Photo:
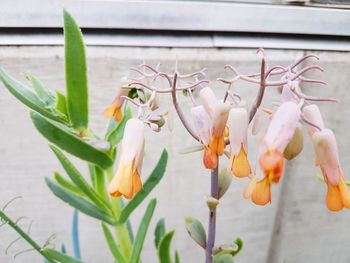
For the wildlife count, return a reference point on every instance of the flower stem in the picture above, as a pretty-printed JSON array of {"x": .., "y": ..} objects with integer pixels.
[
  {"x": 212, "y": 216},
  {"x": 24, "y": 235}
]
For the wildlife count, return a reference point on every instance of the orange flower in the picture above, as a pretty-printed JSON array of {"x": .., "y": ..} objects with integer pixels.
[
  {"x": 238, "y": 128},
  {"x": 127, "y": 180},
  {"x": 338, "y": 194},
  {"x": 114, "y": 110}
]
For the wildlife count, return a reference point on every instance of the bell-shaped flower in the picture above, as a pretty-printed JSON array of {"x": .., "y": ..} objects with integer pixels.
[
  {"x": 238, "y": 121},
  {"x": 114, "y": 110},
  {"x": 217, "y": 142},
  {"x": 201, "y": 123},
  {"x": 270, "y": 165},
  {"x": 127, "y": 180},
  {"x": 338, "y": 194}
]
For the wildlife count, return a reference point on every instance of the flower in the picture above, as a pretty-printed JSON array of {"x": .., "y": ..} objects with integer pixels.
[
  {"x": 338, "y": 195},
  {"x": 218, "y": 112},
  {"x": 201, "y": 123},
  {"x": 114, "y": 110},
  {"x": 238, "y": 121},
  {"x": 313, "y": 115},
  {"x": 271, "y": 162},
  {"x": 127, "y": 180}
]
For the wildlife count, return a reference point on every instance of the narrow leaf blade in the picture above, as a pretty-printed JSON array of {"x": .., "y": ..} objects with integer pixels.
[
  {"x": 159, "y": 231},
  {"x": 164, "y": 248},
  {"x": 142, "y": 231},
  {"x": 76, "y": 73},
  {"x": 66, "y": 140},
  {"x": 79, "y": 203},
  {"x": 60, "y": 257},
  {"x": 113, "y": 247},
  {"x": 75, "y": 235}
]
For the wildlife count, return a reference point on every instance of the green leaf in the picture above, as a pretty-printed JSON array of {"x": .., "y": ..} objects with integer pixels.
[
  {"x": 79, "y": 203},
  {"x": 76, "y": 73},
  {"x": 177, "y": 257},
  {"x": 61, "y": 103},
  {"x": 79, "y": 180},
  {"x": 66, "y": 140},
  {"x": 142, "y": 231},
  {"x": 159, "y": 231},
  {"x": 28, "y": 97},
  {"x": 148, "y": 186},
  {"x": 164, "y": 248},
  {"x": 239, "y": 243},
  {"x": 68, "y": 185},
  {"x": 196, "y": 231},
  {"x": 117, "y": 132},
  {"x": 59, "y": 256},
  {"x": 113, "y": 247},
  {"x": 43, "y": 93},
  {"x": 223, "y": 258},
  {"x": 98, "y": 179}
]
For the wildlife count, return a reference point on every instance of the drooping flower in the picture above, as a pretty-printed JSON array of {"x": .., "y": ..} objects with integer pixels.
[
  {"x": 218, "y": 112},
  {"x": 202, "y": 125},
  {"x": 313, "y": 115},
  {"x": 271, "y": 162},
  {"x": 114, "y": 110},
  {"x": 127, "y": 180},
  {"x": 338, "y": 194},
  {"x": 238, "y": 121}
]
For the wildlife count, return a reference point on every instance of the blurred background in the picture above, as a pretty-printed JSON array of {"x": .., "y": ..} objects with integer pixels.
[{"x": 296, "y": 227}]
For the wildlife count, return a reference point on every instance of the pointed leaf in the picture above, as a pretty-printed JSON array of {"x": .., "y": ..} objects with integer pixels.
[
  {"x": 75, "y": 235},
  {"x": 142, "y": 231},
  {"x": 68, "y": 185},
  {"x": 164, "y": 248},
  {"x": 61, "y": 103},
  {"x": 79, "y": 180},
  {"x": 79, "y": 203},
  {"x": 196, "y": 231},
  {"x": 76, "y": 73},
  {"x": 148, "y": 186},
  {"x": 177, "y": 257},
  {"x": 113, "y": 247},
  {"x": 59, "y": 256},
  {"x": 224, "y": 181},
  {"x": 43, "y": 93},
  {"x": 28, "y": 97},
  {"x": 66, "y": 140},
  {"x": 159, "y": 231},
  {"x": 239, "y": 243}
]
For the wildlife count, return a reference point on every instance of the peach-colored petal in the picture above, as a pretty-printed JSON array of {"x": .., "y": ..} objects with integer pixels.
[
  {"x": 220, "y": 119},
  {"x": 250, "y": 188},
  {"x": 238, "y": 121},
  {"x": 133, "y": 140},
  {"x": 210, "y": 159},
  {"x": 241, "y": 166},
  {"x": 334, "y": 200},
  {"x": 262, "y": 192},
  {"x": 344, "y": 192}
]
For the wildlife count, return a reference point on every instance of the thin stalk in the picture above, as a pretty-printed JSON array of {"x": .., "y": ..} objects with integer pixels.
[
  {"x": 24, "y": 235},
  {"x": 212, "y": 216}
]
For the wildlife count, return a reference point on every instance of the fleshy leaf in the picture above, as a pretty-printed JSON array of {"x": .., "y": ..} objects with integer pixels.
[
  {"x": 61, "y": 103},
  {"x": 116, "y": 131},
  {"x": 28, "y": 97},
  {"x": 224, "y": 181},
  {"x": 113, "y": 247},
  {"x": 76, "y": 73},
  {"x": 159, "y": 231},
  {"x": 148, "y": 186},
  {"x": 59, "y": 256},
  {"x": 75, "y": 235},
  {"x": 164, "y": 248},
  {"x": 70, "y": 142},
  {"x": 142, "y": 231},
  {"x": 79, "y": 203},
  {"x": 196, "y": 231},
  {"x": 223, "y": 258}
]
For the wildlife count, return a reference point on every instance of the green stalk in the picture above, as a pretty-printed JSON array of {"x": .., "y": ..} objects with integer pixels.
[{"x": 25, "y": 236}]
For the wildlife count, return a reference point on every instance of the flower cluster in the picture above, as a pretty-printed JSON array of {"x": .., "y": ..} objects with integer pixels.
[{"x": 221, "y": 126}]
